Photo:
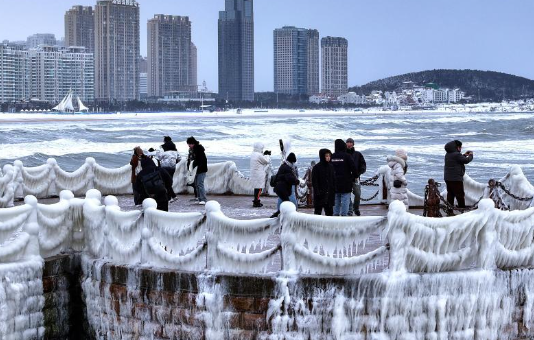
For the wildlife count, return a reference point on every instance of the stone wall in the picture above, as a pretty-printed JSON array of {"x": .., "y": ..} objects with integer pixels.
[
  {"x": 64, "y": 310},
  {"x": 123, "y": 302}
]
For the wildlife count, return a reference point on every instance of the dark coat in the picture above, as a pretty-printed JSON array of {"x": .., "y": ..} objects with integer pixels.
[
  {"x": 285, "y": 179},
  {"x": 344, "y": 167},
  {"x": 199, "y": 158},
  {"x": 359, "y": 161},
  {"x": 455, "y": 163},
  {"x": 324, "y": 182},
  {"x": 161, "y": 197}
]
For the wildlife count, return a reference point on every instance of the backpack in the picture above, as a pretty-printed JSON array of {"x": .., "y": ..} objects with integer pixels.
[
  {"x": 272, "y": 180},
  {"x": 153, "y": 183}
]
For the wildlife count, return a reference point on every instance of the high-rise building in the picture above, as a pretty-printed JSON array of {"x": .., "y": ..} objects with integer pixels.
[
  {"x": 334, "y": 66},
  {"x": 193, "y": 66},
  {"x": 296, "y": 61},
  {"x": 14, "y": 76},
  {"x": 80, "y": 28},
  {"x": 46, "y": 73},
  {"x": 143, "y": 78},
  {"x": 41, "y": 39},
  {"x": 116, "y": 50},
  {"x": 169, "y": 55},
  {"x": 236, "y": 50}
]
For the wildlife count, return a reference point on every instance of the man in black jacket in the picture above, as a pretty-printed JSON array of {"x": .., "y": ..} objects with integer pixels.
[
  {"x": 200, "y": 161},
  {"x": 346, "y": 171},
  {"x": 285, "y": 180},
  {"x": 159, "y": 192},
  {"x": 359, "y": 161},
  {"x": 454, "y": 171},
  {"x": 324, "y": 184}
]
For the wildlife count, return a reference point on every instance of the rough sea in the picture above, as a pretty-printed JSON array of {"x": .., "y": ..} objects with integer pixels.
[{"x": 498, "y": 140}]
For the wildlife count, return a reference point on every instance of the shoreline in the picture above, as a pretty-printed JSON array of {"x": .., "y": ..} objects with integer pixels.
[{"x": 246, "y": 114}]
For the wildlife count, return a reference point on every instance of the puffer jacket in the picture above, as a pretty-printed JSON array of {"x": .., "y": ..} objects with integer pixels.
[
  {"x": 455, "y": 163},
  {"x": 397, "y": 166},
  {"x": 344, "y": 167},
  {"x": 168, "y": 159},
  {"x": 285, "y": 179},
  {"x": 259, "y": 164}
]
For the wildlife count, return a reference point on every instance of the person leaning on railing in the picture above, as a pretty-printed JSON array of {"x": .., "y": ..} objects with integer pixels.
[{"x": 454, "y": 172}]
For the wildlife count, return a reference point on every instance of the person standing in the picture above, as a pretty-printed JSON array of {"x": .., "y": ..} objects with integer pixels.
[
  {"x": 323, "y": 182},
  {"x": 454, "y": 172},
  {"x": 135, "y": 163},
  {"x": 259, "y": 163},
  {"x": 200, "y": 162},
  {"x": 345, "y": 171},
  {"x": 286, "y": 179},
  {"x": 361, "y": 166},
  {"x": 398, "y": 184},
  {"x": 169, "y": 156}
]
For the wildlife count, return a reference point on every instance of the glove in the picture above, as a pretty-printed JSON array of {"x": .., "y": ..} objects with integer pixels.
[{"x": 267, "y": 153}]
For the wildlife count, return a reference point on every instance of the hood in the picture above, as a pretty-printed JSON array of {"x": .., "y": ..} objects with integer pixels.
[
  {"x": 451, "y": 147},
  {"x": 258, "y": 147},
  {"x": 322, "y": 155},
  {"x": 341, "y": 146},
  {"x": 169, "y": 146},
  {"x": 396, "y": 159},
  {"x": 199, "y": 147}
]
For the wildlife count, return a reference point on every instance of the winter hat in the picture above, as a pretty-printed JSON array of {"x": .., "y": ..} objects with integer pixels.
[
  {"x": 167, "y": 139},
  {"x": 291, "y": 158},
  {"x": 349, "y": 140},
  {"x": 401, "y": 153},
  {"x": 192, "y": 140}
]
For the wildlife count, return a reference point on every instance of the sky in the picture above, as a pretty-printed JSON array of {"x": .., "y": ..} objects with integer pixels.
[{"x": 386, "y": 37}]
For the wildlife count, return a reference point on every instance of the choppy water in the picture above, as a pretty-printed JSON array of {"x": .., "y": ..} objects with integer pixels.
[{"x": 498, "y": 140}]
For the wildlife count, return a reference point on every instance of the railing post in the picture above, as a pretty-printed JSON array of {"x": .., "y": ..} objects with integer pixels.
[
  {"x": 52, "y": 188},
  {"x": 287, "y": 238},
  {"x": 146, "y": 233},
  {"x": 18, "y": 180},
  {"x": 32, "y": 228},
  {"x": 212, "y": 207},
  {"x": 488, "y": 235},
  {"x": 397, "y": 238},
  {"x": 91, "y": 162},
  {"x": 9, "y": 188}
]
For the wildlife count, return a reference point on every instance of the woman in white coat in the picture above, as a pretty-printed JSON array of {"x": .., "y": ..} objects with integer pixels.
[
  {"x": 259, "y": 164},
  {"x": 398, "y": 182}
]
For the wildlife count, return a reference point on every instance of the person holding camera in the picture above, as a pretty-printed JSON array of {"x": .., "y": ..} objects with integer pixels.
[
  {"x": 398, "y": 181},
  {"x": 454, "y": 172},
  {"x": 259, "y": 164}
]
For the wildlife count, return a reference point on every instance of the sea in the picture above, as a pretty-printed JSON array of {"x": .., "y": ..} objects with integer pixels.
[{"x": 498, "y": 140}]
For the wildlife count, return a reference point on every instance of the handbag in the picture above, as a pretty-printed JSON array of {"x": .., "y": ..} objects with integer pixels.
[
  {"x": 191, "y": 174},
  {"x": 272, "y": 180}
]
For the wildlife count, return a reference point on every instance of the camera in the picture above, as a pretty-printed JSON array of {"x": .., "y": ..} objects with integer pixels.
[{"x": 267, "y": 153}]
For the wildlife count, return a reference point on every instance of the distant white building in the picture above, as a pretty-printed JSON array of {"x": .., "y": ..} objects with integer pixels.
[
  {"x": 455, "y": 95},
  {"x": 441, "y": 96},
  {"x": 319, "y": 99},
  {"x": 351, "y": 98},
  {"x": 391, "y": 98},
  {"x": 375, "y": 98}
]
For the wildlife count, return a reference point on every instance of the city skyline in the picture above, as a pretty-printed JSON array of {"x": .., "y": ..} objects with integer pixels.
[{"x": 385, "y": 38}]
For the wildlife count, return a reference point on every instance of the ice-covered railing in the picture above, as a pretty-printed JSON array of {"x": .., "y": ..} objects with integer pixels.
[
  {"x": 241, "y": 246},
  {"x": 7, "y": 186},
  {"x": 329, "y": 245},
  {"x": 422, "y": 244}
]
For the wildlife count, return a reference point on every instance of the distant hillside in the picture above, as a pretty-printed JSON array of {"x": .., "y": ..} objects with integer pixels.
[{"x": 483, "y": 85}]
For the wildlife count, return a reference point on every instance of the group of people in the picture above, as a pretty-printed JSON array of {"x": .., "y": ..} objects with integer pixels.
[
  {"x": 153, "y": 172},
  {"x": 336, "y": 178}
]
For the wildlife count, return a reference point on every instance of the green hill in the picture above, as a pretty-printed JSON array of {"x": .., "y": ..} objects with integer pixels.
[{"x": 480, "y": 85}]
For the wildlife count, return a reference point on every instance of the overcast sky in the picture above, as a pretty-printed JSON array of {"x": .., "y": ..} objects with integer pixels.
[{"x": 386, "y": 37}]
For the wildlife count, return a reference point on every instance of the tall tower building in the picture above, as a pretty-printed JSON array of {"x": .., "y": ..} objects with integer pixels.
[
  {"x": 80, "y": 28},
  {"x": 236, "y": 50},
  {"x": 334, "y": 66},
  {"x": 169, "y": 55},
  {"x": 116, "y": 50},
  {"x": 193, "y": 66},
  {"x": 296, "y": 61}
]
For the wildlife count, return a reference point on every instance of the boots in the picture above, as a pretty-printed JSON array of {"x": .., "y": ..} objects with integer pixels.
[{"x": 256, "y": 204}]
